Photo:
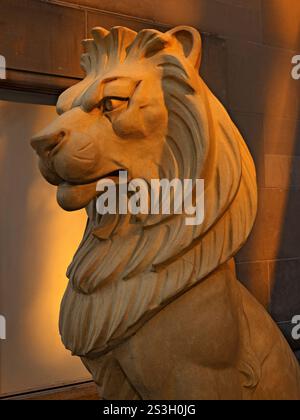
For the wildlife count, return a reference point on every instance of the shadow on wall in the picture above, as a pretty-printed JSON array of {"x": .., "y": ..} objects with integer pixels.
[
  {"x": 285, "y": 273},
  {"x": 285, "y": 175},
  {"x": 271, "y": 258}
]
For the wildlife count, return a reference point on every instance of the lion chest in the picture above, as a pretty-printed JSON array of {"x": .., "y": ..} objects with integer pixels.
[{"x": 186, "y": 345}]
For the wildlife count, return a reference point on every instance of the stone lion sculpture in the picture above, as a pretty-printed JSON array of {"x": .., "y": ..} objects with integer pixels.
[{"x": 153, "y": 306}]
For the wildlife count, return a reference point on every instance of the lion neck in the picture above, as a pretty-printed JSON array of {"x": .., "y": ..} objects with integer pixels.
[{"x": 115, "y": 287}]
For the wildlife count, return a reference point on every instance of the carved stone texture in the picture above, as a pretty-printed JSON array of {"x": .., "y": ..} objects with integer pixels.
[{"x": 153, "y": 306}]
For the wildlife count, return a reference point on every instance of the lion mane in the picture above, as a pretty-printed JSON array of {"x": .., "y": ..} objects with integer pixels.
[{"x": 124, "y": 273}]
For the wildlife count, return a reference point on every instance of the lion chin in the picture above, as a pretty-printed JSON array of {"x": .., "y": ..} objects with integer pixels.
[
  {"x": 153, "y": 306},
  {"x": 75, "y": 197}
]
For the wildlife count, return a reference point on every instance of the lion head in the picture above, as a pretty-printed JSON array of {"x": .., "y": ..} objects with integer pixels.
[{"x": 143, "y": 108}]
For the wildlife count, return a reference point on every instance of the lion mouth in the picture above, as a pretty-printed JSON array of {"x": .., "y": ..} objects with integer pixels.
[
  {"x": 114, "y": 176},
  {"x": 73, "y": 196}
]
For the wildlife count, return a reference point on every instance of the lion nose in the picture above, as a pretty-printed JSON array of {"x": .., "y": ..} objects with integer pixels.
[{"x": 44, "y": 144}]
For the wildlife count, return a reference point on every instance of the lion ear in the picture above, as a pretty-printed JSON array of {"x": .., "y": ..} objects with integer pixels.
[{"x": 190, "y": 40}]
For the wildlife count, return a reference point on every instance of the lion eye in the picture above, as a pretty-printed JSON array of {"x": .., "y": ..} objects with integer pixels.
[{"x": 110, "y": 104}]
